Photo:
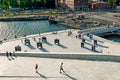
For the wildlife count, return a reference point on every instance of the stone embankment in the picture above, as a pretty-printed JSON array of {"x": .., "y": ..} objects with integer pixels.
[{"x": 24, "y": 18}]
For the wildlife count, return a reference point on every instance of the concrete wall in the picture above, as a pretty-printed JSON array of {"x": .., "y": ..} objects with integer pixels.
[
  {"x": 93, "y": 57},
  {"x": 103, "y": 30}
]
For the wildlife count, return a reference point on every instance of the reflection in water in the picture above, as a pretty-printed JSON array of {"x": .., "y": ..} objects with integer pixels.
[{"x": 19, "y": 28}]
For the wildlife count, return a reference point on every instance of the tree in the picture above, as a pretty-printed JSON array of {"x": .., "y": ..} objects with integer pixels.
[
  {"x": 22, "y": 3},
  {"x": 112, "y": 1},
  {"x": 28, "y": 4},
  {"x": 6, "y": 4},
  {"x": 43, "y": 2},
  {"x": 34, "y": 3},
  {"x": 13, "y": 3},
  {"x": 118, "y": 2},
  {"x": 50, "y": 3}
]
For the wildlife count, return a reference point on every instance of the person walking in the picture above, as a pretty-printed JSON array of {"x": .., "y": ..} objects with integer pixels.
[
  {"x": 7, "y": 54},
  {"x": 39, "y": 39},
  {"x": 11, "y": 55},
  {"x": 21, "y": 41},
  {"x": 36, "y": 68},
  {"x": 61, "y": 68},
  {"x": 34, "y": 39}
]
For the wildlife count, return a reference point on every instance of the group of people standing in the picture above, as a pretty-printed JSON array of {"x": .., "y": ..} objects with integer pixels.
[
  {"x": 11, "y": 55},
  {"x": 39, "y": 39},
  {"x": 69, "y": 33}
]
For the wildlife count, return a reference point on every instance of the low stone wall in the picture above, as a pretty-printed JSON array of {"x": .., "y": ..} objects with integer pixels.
[
  {"x": 25, "y": 18},
  {"x": 93, "y": 57},
  {"x": 102, "y": 30}
]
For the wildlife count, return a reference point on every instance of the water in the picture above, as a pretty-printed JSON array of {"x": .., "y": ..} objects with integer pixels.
[
  {"x": 114, "y": 38},
  {"x": 9, "y": 30}
]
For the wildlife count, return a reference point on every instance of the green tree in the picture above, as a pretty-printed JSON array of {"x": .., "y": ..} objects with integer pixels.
[
  {"x": 34, "y": 3},
  {"x": 112, "y": 1},
  {"x": 22, "y": 3},
  {"x": 50, "y": 3},
  {"x": 118, "y": 2},
  {"x": 4, "y": 4},
  {"x": 14, "y": 3},
  {"x": 28, "y": 4},
  {"x": 43, "y": 2}
]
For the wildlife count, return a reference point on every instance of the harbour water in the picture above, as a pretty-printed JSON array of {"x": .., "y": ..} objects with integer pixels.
[
  {"x": 114, "y": 38},
  {"x": 11, "y": 29}
]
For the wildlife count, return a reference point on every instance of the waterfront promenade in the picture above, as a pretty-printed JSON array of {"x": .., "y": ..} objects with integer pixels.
[
  {"x": 24, "y": 69},
  {"x": 70, "y": 43},
  {"x": 67, "y": 43},
  {"x": 95, "y": 65}
]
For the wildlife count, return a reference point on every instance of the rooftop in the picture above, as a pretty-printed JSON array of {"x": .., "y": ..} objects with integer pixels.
[
  {"x": 23, "y": 67},
  {"x": 67, "y": 43},
  {"x": 48, "y": 69}
]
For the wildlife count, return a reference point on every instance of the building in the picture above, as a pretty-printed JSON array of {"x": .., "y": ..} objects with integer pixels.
[
  {"x": 60, "y": 3},
  {"x": 77, "y": 5},
  {"x": 100, "y": 5},
  {"x": 70, "y": 4},
  {"x": 73, "y": 4}
]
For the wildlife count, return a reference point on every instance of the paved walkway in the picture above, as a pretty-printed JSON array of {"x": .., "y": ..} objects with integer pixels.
[
  {"x": 24, "y": 69},
  {"x": 19, "y": 68},
  {"x": 67, "y": 43}
]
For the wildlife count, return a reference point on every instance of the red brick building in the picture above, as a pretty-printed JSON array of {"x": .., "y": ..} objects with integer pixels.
[
  {"x": 100, "y": 5},
  {"x": 82, "y": 4}
]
